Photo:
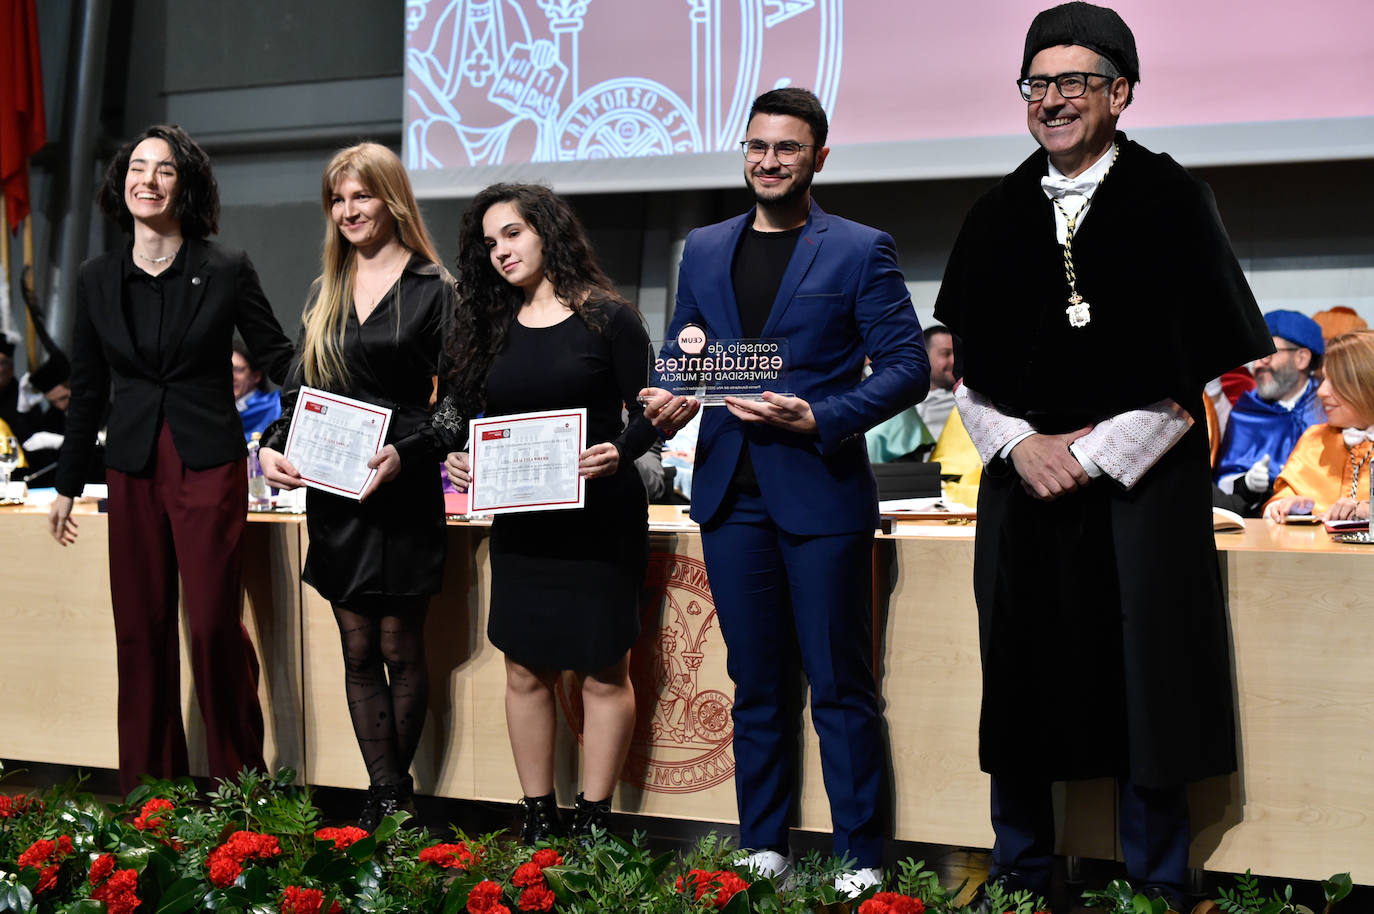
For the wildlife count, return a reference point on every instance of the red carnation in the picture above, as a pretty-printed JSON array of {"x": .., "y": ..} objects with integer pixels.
[
  {"x": 103, "y": 866},
  {"x": 720, "y": 886},
  {"x": 225, "y": 863},
  {"x": 296, "y": 900},
  {"x": 528, "y": 874},
  {"x": 47, "y": 878},
  {"x": 485, "y": 898},
  {"x": 547, "y": 857},
  {"x": 148, "y": 816},
  {"x": 449, "y": 856},
  {"x": 342, "y": 837},
  {"x": 536, "y": 898},
  {"x": 37, "y": 853},
  {"x": 17, "y": 805},
  {"x": 892, "y": 903},
  {"x": 119, "y": 891}
]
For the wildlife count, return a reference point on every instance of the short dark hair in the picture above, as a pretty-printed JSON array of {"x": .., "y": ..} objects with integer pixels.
[
  {"x": 197, "y": 201},
  {"x": 799, "y": 103},
  {"x": 933, "y": 331},
  {"x": 1106, "y": 68},
  {"x": 241, "y": 349}
]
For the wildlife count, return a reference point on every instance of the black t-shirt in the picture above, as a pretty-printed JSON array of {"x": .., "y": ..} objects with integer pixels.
[{"x": 760, "y": 262}]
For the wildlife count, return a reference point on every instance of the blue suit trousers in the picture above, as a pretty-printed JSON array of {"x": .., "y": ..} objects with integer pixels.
[{"x": 768, "y": 586}]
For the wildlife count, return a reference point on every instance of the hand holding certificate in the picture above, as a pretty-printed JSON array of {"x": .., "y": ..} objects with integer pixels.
[
  {"x": 527, "y": 462},
  {"x": 333, "y": 439}
]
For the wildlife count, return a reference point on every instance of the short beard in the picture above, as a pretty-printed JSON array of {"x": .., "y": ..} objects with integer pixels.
[
  {"x": 795, "y": 190},
  {"x": 1280, "y": 383}
]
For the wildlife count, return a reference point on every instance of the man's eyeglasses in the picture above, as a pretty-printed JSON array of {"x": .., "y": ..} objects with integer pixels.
[
  {"x": 785, "y": 152},
  {"x": 1070, "y": 85}
]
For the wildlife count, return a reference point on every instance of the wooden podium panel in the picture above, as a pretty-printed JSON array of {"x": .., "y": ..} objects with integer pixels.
[
  {"x": 59, "y": 683},
  {"x": 1302, "y": 805}
]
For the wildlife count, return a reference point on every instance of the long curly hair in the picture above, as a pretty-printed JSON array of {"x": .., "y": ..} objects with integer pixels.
[
  {"x": 381, "y": 172},
  {"x": 197, "y": 199},
  {"x": 489, "y": 303}
]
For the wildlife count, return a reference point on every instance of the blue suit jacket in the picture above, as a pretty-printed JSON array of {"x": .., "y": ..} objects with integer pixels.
[{"x": 841, "y": 298}]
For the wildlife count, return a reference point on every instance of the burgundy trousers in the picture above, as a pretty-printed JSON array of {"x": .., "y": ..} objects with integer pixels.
[{"x": 177, "y": 519}]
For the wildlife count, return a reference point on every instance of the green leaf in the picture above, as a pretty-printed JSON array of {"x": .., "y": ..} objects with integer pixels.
[
  {"x": 255, "y": 883},
  {"x": 1337, "y": 887},
  {"x": 362, "y": 849},
  {"x": 338, "y": 870},
  {"x": 321, "y": 859},
  {"x": 139, "y": 795},
  {"x": 739, "y": 904},
  {"x": 387, "y": 827},
  {"x": 180, "y": 896},
  {"x": 87, "y": 906}
]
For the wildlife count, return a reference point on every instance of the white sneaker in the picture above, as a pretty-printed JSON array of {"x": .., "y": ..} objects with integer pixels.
[
  {"x": 768, "y": 864},
  {"x": 855, "y": 882}
]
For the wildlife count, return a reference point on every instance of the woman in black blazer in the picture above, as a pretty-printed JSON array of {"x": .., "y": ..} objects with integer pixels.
[{"x": 155, "y": 322}]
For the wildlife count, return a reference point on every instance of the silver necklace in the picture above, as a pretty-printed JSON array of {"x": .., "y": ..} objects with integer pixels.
[{"x": 146, "y": 259}]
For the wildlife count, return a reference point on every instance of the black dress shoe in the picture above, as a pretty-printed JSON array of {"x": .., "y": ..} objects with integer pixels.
[
  {"x": 384, "y": 799},
  {"x": 588, "y": 815},
  {"x": 1172, "y": 896},
  {"x": 542, "y": 819}
]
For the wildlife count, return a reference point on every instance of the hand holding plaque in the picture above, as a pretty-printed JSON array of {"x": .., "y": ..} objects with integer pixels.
[{"x": 710, "y": 370}]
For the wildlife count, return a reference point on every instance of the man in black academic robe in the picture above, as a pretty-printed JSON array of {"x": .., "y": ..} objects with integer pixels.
[{"x": 1102, "y": 624}]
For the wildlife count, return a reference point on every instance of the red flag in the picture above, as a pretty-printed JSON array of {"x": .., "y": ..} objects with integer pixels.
[{"x": 23, "y": 130}]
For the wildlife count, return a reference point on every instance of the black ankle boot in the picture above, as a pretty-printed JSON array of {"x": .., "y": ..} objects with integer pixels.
[
  {"x": 384, "y": 799},
  {"x": 588, "y": 815},
  {"x": 542, "y": 819}
]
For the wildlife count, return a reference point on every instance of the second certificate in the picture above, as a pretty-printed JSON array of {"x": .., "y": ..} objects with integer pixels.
[{"x": 527, "y": 462}]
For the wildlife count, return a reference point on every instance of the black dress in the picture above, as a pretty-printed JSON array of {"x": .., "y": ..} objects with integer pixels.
[
  {"x": 392, "y": 544},
  {"x": 565, "y": 584}
]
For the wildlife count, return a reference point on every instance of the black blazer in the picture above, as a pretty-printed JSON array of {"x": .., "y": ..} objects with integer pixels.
[{"x": 192, "y": 391}]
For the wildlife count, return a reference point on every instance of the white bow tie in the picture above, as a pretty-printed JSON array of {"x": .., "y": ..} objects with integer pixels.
[
  {"x": 1059, "y": 187},
  {"x": 1353, "y": 436}
]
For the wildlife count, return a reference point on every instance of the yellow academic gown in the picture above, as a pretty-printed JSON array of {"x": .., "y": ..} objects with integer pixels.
[{"x": 1319, "y": 468}]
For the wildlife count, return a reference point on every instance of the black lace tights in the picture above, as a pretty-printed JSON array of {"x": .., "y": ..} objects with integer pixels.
[{"x": 386, "y": 681}]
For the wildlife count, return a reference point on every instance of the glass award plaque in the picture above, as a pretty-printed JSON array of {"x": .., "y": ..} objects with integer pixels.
[{"x": 695, "y": 365}]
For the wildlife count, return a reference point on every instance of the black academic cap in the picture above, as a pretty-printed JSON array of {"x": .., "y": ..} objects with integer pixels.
[{"x": 1088, "y": 26}]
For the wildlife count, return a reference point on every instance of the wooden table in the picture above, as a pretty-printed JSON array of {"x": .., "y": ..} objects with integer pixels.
[{"x": 1302, "y": 624}]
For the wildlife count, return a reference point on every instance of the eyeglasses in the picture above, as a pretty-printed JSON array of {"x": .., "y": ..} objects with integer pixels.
[
  {"x": 1070, "y": 85},
  {"x": 785, "y": 152}
]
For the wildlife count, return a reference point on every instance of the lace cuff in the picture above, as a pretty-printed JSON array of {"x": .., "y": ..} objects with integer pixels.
[
  {"x": 989, "y": 428},
  {"x": 1126, "y": 445}
]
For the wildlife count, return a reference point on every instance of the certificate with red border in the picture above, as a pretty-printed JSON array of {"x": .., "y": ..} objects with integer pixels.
[
  {"x": 332, "y": 438},
  {"x": 527, "y": 462}
]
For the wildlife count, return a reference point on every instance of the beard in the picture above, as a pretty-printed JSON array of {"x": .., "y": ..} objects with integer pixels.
[
  {"x": 1277, "y": 384},
  {"x": 795, "y": 189}
]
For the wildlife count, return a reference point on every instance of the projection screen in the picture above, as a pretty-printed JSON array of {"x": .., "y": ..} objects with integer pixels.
[{"x": 607, "y": 95}]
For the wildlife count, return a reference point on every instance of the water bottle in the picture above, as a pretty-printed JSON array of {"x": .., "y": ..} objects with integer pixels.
[{"x": 259, "y": 498}]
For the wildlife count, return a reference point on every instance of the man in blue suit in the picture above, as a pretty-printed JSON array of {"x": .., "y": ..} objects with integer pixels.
[{"x": 782, "y": 487}]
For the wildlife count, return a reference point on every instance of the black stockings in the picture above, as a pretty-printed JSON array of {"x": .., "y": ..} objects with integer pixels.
[{"x": 386, "y": 681}]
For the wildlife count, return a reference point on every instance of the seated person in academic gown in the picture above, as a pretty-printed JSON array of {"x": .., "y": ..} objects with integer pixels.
[
  {"x": 258, "y": 406},
  {"x": 1266, "y": 422},
  {"x": 1327, "y": 472}
]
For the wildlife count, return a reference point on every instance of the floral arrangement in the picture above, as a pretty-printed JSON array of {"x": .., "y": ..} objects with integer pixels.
[{"x": 257, "y": 847}]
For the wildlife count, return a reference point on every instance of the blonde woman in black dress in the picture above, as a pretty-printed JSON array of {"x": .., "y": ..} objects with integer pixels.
[
  {"x": 541, "y": 327},
  {"x": 374, "y": 331}
]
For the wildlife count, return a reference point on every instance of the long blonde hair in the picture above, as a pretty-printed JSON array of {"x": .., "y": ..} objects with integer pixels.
[
  {"x": 381, "y": 172},
  {"x": 1349, "y": 366}
]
